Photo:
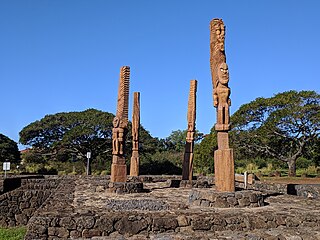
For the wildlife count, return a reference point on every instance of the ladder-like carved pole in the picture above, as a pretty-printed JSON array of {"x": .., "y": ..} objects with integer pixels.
[
  {"x": 119, "y": 131},
  {"x": 187, "y": 166}
]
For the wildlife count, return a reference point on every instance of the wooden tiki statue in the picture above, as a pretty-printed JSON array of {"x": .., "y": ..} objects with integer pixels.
[
  {"x": 223, "y": 157},
  {"x": 187, "y": 166},
  {"x": 135, "y": 162},
  {"x": 119, "y": 131}
]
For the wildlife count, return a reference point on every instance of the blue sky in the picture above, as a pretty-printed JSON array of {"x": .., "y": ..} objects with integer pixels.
[{"x": 61, "y": 56}]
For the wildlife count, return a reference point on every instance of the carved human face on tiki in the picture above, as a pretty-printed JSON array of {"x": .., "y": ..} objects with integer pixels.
[
  {"x": 223, "y": 73},
  {"x": 115, "y": 122}
]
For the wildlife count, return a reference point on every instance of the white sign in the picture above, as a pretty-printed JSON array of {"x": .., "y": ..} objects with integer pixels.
[
  {"x": 88, "y": 154},
  {"x": 6, "y": 166}
]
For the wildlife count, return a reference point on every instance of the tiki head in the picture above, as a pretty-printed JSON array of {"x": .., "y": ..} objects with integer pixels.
[
  {"x": 116, "y": 122},
  {"x": 223, "y": 73}
]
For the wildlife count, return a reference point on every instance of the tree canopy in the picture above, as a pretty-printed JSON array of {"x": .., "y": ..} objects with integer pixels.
[
  {"x": 177, "y": 139},
  {"x": 73, "y": 132},
  {"x": 281, "y": 127},
  {"x": 203, "y": 153},
  {"x": 8, "y": 150},
  {"x": 70, "y": 135}
]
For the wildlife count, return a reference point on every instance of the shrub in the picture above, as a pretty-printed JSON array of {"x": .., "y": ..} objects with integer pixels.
[
  {"x": 261, "y": 163},
  {"x": 240, "y": 170},
  {"x": 252, "y": 167},
  {"x": 105, "y": 172},
  {"x": 62, "y": 173},
  {"x": 33, "y": 167},
  {"x": 203, "y": 171},
  {"x": 47, "y": 170},
  {"x": 312, "y": 170},
  {"x": 303, "y": 163},
  {"x": 240, "y": 163},
  {"x": 96, "y": 173},
  {"x": 266, "y": 171}
]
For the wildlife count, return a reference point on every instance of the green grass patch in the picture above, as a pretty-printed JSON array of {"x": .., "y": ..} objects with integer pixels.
[{"x": 16, "y": 233}]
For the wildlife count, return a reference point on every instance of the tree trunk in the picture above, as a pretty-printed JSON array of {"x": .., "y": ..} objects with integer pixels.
[{"x": 292, "y": 167}]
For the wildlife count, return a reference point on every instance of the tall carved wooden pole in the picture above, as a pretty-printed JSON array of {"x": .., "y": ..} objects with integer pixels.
[
  {"x": 223, "y": 157},
  {"x": 119, "y": 131},
  {"x": 135, "y": 162},
  {"x": 187, "y": 166}
]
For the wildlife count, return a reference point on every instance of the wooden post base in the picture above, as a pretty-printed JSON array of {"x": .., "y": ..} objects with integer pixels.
[
  {"x": 134, "y": 166},
  {"x": 224, "y": 170},
  {"x": 187, "y": 166},
  {"x": 118, "y": 172}
]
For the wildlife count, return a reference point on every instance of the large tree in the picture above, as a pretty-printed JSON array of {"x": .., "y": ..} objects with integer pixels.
[
  {"x": 177, "y": 139},
  {"x": 280, "y": 127},
  {"x": 68, "y": 135},
  {"x": 8, "y": 150},
  {"x": 62, "y": 135},
  {"x": 203, "y": 153}
]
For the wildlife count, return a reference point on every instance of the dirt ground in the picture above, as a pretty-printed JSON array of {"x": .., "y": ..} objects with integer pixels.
[{"x": 291, "y": 180}]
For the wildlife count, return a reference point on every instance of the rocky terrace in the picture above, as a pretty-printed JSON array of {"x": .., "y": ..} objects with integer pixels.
[{"x": 83, "y": 208}]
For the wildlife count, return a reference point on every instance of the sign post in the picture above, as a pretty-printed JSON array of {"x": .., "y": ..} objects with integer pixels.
[
  {"x": 88, "y": 162},
  {"x": 245, "y": 179},
  {"x": 6, "y": 167}
]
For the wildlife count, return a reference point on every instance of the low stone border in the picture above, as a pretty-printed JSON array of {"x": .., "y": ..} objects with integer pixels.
[
  {"x": 268, "y": 187},
  {"x": 195, "y": 184},
  {"x": 94, "y": 225},
  {"x": 128, "y": 187},
  {"x": 311, "y": 191},
  {"x": 239, "y": 199}
]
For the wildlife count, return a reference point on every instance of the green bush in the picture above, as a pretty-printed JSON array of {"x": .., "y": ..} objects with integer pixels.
[
  {"x": 53, "y": 168},
  {"x": 33, "y": 167},
  {"x": 204, "y": 171},
  {"x": 252, "y": 167},
  {"x": 96, "y": 173},
  {"x": 62, "y": 173},
  {"x": 261, "y": 163},
  {"x": 277, "y": 164},
  {"x": 303, "y": 163},
  {"x": 258, "y": 163},
  {"x": 312, "y": 170},
  {"x": 240, "y": 163},
  {"x": 47, "y": 170},
  {"x": 105, "y": 172},
  {"x": 308, "y": 172},
  {"x": 240, "y": 170},
  {"x": 265, "y": 171}
]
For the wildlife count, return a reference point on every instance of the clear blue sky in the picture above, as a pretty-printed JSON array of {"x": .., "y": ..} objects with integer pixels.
[{"x": 61, "y": 56}]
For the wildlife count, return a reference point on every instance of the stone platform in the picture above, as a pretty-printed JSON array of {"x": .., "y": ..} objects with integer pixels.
[
  {"x": 214, "y": 199},
  {"x": 82, "y": 208}
]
